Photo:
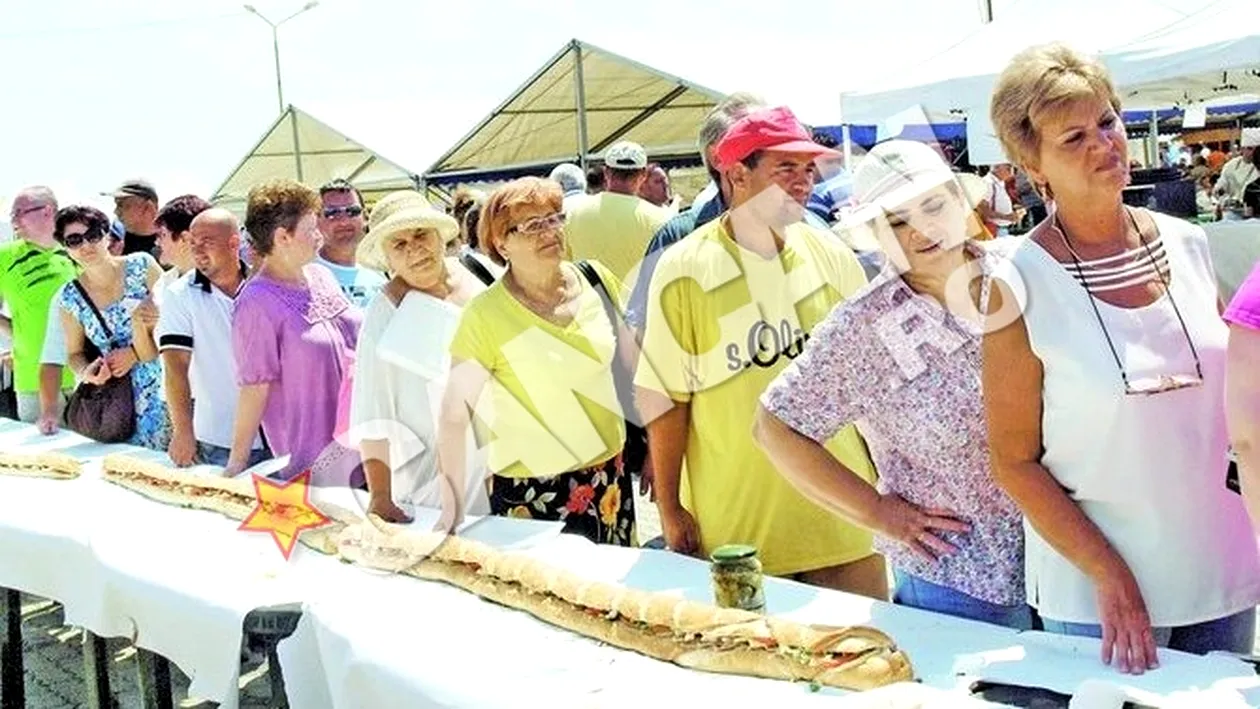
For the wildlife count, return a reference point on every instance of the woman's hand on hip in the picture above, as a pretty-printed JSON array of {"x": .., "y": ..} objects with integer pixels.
[
  {"x": 918, "y": 527},
  {"x": 1128, "y": 641}
]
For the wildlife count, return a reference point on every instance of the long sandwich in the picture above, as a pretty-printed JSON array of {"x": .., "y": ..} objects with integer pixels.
[
  {"x": 689, "y": 634},
  {"x": 56, "y": 466},
  {"x": 234, "y": 498}
]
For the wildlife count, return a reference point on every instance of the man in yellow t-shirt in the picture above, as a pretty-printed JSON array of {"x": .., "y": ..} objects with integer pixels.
[
  {"x": 615, "y": 226},
  {"x": 730, "y": 306}
]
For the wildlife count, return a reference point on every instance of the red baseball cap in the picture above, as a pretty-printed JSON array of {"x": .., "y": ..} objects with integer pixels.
[{"x": 767, "y": 129}]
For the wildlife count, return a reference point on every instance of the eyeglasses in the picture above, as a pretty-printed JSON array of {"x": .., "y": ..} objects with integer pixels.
[
  {"x": 351, "y": 211},
  {"x": 19, "y": 213},
  {"x": 538, "y": 225},
  {"x": 91, "y": 236},
  {"x": 1157, "y": 384}
]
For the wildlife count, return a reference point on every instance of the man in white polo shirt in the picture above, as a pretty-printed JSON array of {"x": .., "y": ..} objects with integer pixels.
[{"x": 194, "y": 335}]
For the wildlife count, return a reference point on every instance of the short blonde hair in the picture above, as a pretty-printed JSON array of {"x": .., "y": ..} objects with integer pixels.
[
  {"x": 496, "y": 215},
  {"x": 1038, "y": 82}
]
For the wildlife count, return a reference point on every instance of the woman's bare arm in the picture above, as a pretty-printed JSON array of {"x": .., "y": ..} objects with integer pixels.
[
  {"x": 1242, "y": 410},
  {"x": 1012, "y": 385}
]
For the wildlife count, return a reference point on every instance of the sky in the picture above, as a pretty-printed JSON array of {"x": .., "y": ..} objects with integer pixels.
[{"x": 178, "y": 91}]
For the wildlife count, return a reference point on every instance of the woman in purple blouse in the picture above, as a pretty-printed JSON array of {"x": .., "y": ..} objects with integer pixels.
[
  {"x": 902, "y": 360},
  {"x": 291, "y": 331}
]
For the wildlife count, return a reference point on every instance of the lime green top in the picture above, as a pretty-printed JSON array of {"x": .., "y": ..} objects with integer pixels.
[{"x": 30, "y": 276}]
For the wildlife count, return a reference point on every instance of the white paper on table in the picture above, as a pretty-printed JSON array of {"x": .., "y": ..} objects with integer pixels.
[
  {"x": 409, "y": 340},
  {"x": 1063, "y": 664}
]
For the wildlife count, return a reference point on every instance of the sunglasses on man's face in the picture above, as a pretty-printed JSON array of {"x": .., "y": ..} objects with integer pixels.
[
  {"x": 91, "y": 236},
  {"x": 338, "y": 212}
]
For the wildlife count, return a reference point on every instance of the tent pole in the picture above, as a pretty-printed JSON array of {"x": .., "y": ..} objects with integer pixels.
[
  {"x": 1152, "y": 141},
  {"x": 848, "y": 147},
  {"x": 580, "y": 92},
  {"x": 297, "y": 148}
]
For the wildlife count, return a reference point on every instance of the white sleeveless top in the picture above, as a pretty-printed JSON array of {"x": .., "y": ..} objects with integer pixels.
[{"x": 1148, "y": 470}]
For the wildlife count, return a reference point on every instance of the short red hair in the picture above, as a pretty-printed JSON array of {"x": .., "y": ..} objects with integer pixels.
[{"x": 496, "y": 215}]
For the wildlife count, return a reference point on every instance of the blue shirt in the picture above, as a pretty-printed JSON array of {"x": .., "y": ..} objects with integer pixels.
[{"x": 830, "y": 195}]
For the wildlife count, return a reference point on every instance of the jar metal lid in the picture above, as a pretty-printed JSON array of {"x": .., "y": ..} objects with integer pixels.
[{"x": 733, "y": 552}]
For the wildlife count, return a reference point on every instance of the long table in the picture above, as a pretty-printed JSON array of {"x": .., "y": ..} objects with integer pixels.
[{"x": 181, "y": 583}]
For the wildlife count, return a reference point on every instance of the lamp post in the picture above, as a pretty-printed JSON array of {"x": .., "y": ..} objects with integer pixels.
[{"x": 275, "y": 41}]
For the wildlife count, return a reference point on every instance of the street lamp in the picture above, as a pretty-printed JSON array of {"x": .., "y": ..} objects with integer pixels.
[{"x": 275, "y": 41}]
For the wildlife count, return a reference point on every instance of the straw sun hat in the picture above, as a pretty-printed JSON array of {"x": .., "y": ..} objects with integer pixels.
[{"x": 401, "y": 212}]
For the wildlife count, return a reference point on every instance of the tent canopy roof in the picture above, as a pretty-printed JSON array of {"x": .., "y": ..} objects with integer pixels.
[
  {"x": 299, "y": 146},
  {"x": 538, "y": 125},
  {"x": 960, "y": 80},
  {"x": 1212, "y": 53}
]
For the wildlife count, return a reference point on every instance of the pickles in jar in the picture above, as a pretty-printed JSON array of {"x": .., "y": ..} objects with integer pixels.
[{"x": 737, "y": 578}]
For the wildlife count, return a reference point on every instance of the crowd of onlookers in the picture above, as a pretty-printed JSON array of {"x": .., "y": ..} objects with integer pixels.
[{"x": 835, "y": 363}]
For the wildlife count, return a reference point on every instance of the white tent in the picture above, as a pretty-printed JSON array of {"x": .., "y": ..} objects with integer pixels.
[
  {"x": 581, "y": 101},
  {"x": 300, "y": 147},
  {"x": 1210, "y": 54},
  {"x": 959, "y": 81}
]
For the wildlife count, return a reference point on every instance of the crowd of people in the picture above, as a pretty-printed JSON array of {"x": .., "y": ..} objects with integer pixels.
[{"x": 836, "y": 364}]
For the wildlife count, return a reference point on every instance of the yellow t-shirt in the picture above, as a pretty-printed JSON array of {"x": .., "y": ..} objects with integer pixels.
[
  {"x": 550, "y": 406},
  {"x": 613, "y": 228},
  {"x": 708, "y": 343}
]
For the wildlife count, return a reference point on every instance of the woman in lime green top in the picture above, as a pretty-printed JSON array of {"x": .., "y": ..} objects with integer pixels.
[{"x": 532, "y": 369}]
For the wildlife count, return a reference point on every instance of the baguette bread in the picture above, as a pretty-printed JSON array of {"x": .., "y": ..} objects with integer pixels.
[
  {"x": 231, "y": 497},
  {"x": 693, "y": 635},
  {"x": 57, "y": 466}
]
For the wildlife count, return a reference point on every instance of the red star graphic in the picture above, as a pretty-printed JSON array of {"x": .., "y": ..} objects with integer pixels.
[{"x": 284, "y": 509}]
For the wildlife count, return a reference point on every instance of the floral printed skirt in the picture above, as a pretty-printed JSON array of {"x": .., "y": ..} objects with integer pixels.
[{"x": 595, "y": 502}]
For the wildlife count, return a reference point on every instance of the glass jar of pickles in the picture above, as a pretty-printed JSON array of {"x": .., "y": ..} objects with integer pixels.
[{"x": 737, "y": 578}]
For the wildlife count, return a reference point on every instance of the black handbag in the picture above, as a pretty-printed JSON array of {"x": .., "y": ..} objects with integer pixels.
[
  {"x": 106, "y": 413},
  {"x": 636, "y": 450}
]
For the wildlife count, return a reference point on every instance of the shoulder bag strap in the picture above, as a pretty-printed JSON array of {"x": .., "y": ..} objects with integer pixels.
[
  {"x": 109, "y": 335},
  {"x": 471, "y": 263},
  {"x": 610, "y": 309}
]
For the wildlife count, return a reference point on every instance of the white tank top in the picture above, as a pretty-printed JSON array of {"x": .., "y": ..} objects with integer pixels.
[{"x": 1148, "y": 470}]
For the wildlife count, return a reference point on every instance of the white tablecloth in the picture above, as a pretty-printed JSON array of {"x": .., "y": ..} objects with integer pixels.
[
  {"x": 381, "y": 641},
  {"x": 181, "y": 582}
]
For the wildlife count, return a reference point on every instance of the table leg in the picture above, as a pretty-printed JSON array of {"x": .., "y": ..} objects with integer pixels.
[
  {"x": 267, "y": 627},
  {"x": 96, "y": 671},
  {"x": 12, "y": 683},
  {"x": 155, "y": 680}
]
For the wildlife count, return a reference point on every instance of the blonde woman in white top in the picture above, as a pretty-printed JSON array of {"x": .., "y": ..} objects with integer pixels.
[
  {"x": 393, "y": 405},
  {"x": 1105, "y": 398}
]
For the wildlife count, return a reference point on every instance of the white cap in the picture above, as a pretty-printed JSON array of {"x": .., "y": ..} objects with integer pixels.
[
  {"x": 1251, "y": 137},
  {"x": 894, "y": 172},
  {"x": 625, "y": 155}
]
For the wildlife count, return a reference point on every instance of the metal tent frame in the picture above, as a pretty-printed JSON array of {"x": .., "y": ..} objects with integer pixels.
[{"x": 507, "y": 129}]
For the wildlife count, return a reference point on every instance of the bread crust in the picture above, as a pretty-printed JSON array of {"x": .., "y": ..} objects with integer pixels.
[
  {"x": 231, "y": 497},
  {"x": 666, "y": 627},
  {"x": 45, "y": 464}
]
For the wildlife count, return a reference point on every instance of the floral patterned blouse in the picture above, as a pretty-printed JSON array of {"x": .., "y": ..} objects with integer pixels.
[{"x": 908, "y": 373}]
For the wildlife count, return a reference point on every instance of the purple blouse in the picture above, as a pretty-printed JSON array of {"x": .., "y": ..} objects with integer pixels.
[
  {"x": 908, "y": 374},
  {"x": 1244, "y": 309},
  {"x": 295, "y": 339}
]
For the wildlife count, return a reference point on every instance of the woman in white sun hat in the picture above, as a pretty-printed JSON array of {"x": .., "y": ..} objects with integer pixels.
[
  {"x": 400, "y": 365},
  {"x": 902, "y": 360}
]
